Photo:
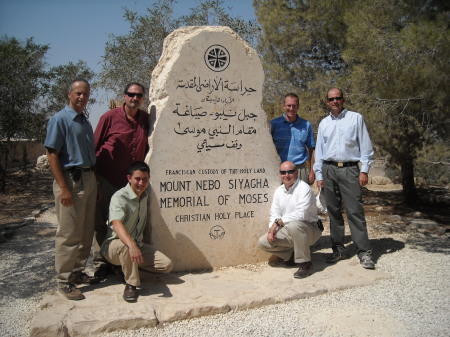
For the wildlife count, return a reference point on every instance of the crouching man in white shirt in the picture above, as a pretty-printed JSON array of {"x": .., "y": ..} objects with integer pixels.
[{"x": 293, "y": 225}]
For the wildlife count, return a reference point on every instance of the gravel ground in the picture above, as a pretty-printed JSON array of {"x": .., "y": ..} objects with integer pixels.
[
  {"x": 414, "y": 302},
  {"x": 26, "y": 262}
]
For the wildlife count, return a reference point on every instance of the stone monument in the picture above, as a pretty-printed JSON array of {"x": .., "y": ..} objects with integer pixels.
[{"x": 213, "y": 164}]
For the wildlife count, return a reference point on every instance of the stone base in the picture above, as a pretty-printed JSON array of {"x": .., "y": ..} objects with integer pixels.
[{"x": 177, "y": 296}]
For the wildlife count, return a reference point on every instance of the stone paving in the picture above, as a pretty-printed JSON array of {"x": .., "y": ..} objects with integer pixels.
[{"x": 177, "y": 296}]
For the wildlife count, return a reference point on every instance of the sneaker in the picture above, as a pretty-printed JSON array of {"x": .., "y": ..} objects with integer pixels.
[
  {"x": 337, "y": 255},
  {"x": 366, "y": 260},
  {"x": 130, "y": 293},
  {"x": 84, "y": 278},
  {"x": 304, "y": 270},
  {"x": 71, "y": 292}
]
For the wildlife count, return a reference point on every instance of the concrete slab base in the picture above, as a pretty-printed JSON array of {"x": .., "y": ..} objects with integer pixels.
[{"x": 178, "y": 296}]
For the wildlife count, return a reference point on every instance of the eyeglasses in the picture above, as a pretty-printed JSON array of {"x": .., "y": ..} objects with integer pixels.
[
  {"x": 287, "y": 172},
  {"x": 331, "y": 99},
  {"x": 132, "y": 94}
]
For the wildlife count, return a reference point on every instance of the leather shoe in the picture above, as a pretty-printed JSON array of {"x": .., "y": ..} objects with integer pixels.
[
  {"x": 71, "y": 292},
  {"x": 103, "y": 271},
  {"x": 84, "y": 278},
  {"x": 336, "y": 256},
  {"x": 130, "y": 294},
  {"x": 291, "y": 261},
  {"x": 304, "y": 270}
]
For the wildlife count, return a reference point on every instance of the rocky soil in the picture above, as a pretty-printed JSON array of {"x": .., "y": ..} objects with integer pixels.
[{"x": 26, "y": 190}]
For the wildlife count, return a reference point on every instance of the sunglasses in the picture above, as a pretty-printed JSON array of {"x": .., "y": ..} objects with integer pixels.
[
  {"x": 287, "y": 172},
  {"x": 132, "y": 94},
  {"x": 331, "y": 99}
]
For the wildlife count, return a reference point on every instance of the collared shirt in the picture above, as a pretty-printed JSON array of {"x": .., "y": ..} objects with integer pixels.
[
  {"x": 70, "y": 133},
  {"x": 119, "y": 142},
  {"x": 127, "y": 207},
  {"x": 292, "y": 139},
  {"x": 342, "y": 139},
  {"x": 296, "y": 203}
]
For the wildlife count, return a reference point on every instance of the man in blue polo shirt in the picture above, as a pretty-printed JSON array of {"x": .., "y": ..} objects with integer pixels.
[
  {"x": 294, "y": 139},
  {"x": 71, "y": 156}
]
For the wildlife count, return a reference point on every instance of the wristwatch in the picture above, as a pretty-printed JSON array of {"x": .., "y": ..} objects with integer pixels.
[{"x": 276, "y": 221}]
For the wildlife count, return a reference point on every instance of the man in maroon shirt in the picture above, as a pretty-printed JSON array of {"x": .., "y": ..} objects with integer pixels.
[{"x": 121, "y": 138}]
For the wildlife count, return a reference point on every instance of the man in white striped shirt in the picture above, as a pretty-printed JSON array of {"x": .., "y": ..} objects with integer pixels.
[{"x": 293, "y": 226}]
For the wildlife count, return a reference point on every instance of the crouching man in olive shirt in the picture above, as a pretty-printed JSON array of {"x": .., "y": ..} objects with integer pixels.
[{"x": 124, "y": 244}]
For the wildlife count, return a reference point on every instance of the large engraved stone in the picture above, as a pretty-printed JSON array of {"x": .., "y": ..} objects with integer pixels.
[{"x": 213, "y": 164}]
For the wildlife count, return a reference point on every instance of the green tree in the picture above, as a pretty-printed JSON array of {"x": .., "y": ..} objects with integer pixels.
[
  {"x": 30, "y": 93},
  {"x": 212, "y": 13},
  {"x": 398, "y": 55},
  {"x": 391, "y": 59},
  {"x": 433, "y": 163},
  {"x": 60, "y": 79},
  {"x": 133, "y": 57},
  {"x": 300, "y": 41},
  {"x": 23, "y": 81}
]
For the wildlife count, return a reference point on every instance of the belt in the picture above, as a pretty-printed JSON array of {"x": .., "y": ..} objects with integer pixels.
[
  {"x": 84, "y": 169},
  {"x": 341, "y": 164}
]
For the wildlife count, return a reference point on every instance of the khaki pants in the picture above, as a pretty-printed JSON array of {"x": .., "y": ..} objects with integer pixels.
[
  {"x": 295, "y": 236},
  {"x": 154, "y": 261},
  {"x": 75, "y": 226}
]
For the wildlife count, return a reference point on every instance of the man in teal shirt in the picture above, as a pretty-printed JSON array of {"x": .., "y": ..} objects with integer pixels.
[
  {"x": 124, "y": 244},
  {"x": 71, "y": 156}
]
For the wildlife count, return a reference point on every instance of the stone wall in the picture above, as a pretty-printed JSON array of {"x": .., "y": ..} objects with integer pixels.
[{"x": 23, "y": 153}]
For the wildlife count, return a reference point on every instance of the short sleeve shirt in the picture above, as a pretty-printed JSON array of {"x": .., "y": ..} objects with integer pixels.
[
  {"x": 131, "y": 210},
  {"x": 292, "y": 139},
  {"x": 71, "y": 135}
]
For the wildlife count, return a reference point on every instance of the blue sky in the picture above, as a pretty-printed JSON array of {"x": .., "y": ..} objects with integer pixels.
[{"x": 78, "y": 29}]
